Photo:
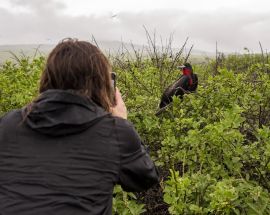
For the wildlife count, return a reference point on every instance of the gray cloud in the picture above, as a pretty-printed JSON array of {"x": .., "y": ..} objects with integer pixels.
[
  {"x": 39, "y": 6},
  {"x": 46, "y": 21}
]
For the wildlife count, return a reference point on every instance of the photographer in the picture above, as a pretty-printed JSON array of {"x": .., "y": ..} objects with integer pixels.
[{"x": 64, "y": 152}]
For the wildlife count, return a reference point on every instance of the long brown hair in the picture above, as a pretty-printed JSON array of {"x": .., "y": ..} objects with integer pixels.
[{"x": 82, "y": 67}]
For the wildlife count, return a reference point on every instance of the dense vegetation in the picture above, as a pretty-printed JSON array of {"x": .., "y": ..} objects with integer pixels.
[{"x": 212, "y": 148}]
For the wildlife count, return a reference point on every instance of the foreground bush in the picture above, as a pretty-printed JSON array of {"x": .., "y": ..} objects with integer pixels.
[{"x": 212, "y": 147}]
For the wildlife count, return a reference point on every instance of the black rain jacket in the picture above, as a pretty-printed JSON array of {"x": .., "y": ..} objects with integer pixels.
[{"x": 66, "y": 156}]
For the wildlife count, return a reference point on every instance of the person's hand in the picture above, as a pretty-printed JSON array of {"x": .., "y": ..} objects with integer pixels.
[{"x": 119, "y": 109}]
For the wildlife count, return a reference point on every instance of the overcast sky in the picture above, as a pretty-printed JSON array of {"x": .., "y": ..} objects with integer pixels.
[{"x": 234, "y": 24}]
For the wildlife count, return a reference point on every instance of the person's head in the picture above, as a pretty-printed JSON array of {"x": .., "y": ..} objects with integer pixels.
[
  {"x": 187, "y": 69},
  {"x": 79, "y": 66}
]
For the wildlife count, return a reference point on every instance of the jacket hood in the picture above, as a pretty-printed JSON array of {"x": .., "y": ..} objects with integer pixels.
[{"x": 63, "y": 112}]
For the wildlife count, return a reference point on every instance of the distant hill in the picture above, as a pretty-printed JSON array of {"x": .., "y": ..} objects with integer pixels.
[
  {"x": 109, "y": 47},
  {"x": 7, "y": 51}
]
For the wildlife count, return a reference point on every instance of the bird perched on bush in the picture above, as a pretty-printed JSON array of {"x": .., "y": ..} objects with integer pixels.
[{"x": 188, "y": 82}]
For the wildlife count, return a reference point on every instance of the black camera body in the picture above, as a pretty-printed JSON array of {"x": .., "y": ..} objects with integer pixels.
[{"x": 113, "y": 77}]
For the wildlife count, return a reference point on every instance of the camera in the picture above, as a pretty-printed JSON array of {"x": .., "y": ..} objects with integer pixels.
[{"x": 113, "y": 79}]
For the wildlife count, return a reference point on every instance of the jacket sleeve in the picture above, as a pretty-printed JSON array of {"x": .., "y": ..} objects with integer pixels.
[{"x": 137, "y": 170}]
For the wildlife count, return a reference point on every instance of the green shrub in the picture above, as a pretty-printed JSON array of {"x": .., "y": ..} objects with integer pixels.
[{"x": 213, "y": 147}]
